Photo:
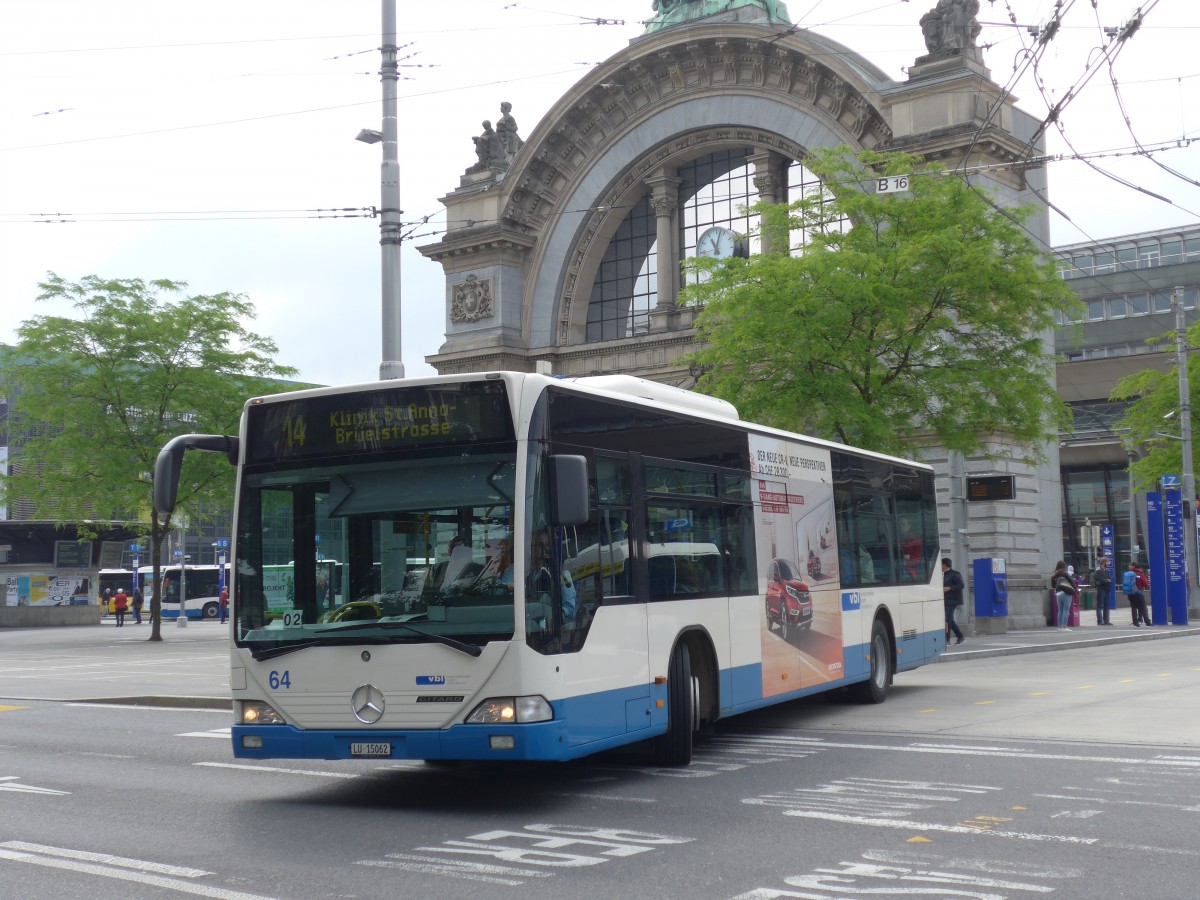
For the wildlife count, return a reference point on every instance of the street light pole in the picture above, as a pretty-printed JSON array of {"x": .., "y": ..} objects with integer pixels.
[
  {"x": 389, "y": 222},
  {"x": 1185, "y": 434}
]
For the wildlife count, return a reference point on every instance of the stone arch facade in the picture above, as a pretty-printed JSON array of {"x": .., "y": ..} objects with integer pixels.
[
  {"x": 527, "y": 230},
  {"x": 529, "y": 237}
]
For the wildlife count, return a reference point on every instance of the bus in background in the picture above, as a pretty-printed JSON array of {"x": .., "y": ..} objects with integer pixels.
[
  {"x": 114, "y": 579},
  {"x": 203, "y": 590},
  {"x": 458, "y": 506}
]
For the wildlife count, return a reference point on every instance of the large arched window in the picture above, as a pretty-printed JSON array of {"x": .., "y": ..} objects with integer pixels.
[{"x": 713, "y": 190}]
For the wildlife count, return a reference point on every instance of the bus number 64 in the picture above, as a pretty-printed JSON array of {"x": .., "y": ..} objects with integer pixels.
[{"x": 279, "y": 680}]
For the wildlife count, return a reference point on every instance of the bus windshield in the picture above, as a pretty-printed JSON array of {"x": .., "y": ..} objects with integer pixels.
[
  {"x": 426, "y": 541},
  {"x": 349, "y": 547}
]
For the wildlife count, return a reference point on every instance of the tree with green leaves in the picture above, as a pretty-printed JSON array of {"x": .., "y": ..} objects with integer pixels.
[
  {"x": 95, "y": 397},
  {"x": 917, "y": 314},
  {"x": 1153, "y": 397}
]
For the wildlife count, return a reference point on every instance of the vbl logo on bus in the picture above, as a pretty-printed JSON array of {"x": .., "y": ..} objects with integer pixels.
[{"x": 426, "y": 680}]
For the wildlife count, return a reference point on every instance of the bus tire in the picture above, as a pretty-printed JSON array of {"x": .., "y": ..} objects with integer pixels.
[
  {"x": 875, "y": 688},
  {"x": 675, "y": 747},
  {"x": 210, "y": 611}
]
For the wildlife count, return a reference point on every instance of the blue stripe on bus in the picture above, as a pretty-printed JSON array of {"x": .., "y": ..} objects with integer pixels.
[{"x": 582, "y": 725}]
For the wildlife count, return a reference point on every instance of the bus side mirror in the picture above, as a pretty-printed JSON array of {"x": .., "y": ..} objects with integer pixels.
[
  {"x": 568, "y": 490},
  {"x": 170, "y": 461}
]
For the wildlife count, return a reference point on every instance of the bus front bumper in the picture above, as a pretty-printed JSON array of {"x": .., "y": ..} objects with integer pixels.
[{"x": 535, "y": 741}]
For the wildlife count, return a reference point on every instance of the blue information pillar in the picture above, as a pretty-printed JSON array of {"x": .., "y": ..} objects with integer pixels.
[
  {"x": 1176, "y": 592},
  {"x": 1108, "y": 548},
  {"x": 1156, "y": 551}
]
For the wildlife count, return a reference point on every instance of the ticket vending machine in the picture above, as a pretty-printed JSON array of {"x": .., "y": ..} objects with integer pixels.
[{"x": 990, "y": 587}]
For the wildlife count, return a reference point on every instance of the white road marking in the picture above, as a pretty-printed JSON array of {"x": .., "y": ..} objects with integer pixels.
[
  {"x": 10, "y": 785},
  {"x": 1182, "y": 762},
  {"x": 217, "y": 765},
  {"x": 222, "y": 733},
  {"x": 121, "y": 868},
  {"x": 934, "y": 826}
]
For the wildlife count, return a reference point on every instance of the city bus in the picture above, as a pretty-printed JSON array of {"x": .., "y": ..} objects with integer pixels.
[
  {"x": 123, "y": 579},
  {"x": 203, "y": 590},
  {"x": 458, "y": 506}
]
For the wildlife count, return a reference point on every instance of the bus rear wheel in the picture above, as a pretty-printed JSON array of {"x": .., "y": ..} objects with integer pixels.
[
  {"x": 875, "y": 688},
  {"x": 210, "y": 611},
  {"x": 675, "y": 747}
]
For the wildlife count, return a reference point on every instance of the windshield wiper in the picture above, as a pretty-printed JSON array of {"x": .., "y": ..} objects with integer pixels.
[
  {"x": 283, "y": 649},
  {"x": 469, "y": 649}
]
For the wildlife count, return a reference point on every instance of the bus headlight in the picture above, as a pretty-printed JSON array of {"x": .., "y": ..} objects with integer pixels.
[
  {"x": 505, "y": 710},
  {"x": 255, "y": 712}
]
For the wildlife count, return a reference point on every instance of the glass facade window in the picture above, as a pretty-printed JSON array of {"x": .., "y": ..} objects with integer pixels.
[
  {"x": 1104, "y": 261},
  {"x": 1171, "y": 250},
  {"x": 1137, "y": 304},
  {"x": 1095, "y": 311},
  {"x": 1099, "y": 496},
  {"x": 1126, "y": 259},
  {"x": 713, "y": 190},
  {"x": 1116, "y": 307},
  {"x": 626, "y": 285},
  {"x": 1191, "y": 247},
  {"x": 1162, "y": 301}
]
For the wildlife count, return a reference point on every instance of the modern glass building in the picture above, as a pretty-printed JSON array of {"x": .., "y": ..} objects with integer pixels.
[{"x": 1127, "y": 284}]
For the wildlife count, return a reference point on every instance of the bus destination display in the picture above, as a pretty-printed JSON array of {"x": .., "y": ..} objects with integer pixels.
[{"x": 372, "y": 421}]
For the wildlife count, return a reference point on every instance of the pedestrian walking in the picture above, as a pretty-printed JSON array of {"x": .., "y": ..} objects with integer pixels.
[
  {"x": 1064, "y": 592},
  {"x": 1101, "y": 580},
  {"x": 224, "y": 604},
  {"x": 1134, "y": 584},
  {"x": 138, "y": 602},
  {"x": 106, "y": 602},
  {"x": 120, "y": 603},
  {"x": 952, "y": 595}
]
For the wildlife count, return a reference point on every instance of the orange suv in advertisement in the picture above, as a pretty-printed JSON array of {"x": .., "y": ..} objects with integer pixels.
[{"x": 789, "y": 604}]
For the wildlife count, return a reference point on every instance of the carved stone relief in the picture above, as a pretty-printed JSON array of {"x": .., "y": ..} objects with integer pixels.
[{"x": 472, "y": 300}]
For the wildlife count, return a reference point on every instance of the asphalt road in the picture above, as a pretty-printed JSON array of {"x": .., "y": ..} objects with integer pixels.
[{"x": 1072, "y": 774}]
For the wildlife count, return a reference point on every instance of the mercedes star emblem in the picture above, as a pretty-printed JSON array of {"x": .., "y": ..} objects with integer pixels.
[{"x": 367, "y": 704}]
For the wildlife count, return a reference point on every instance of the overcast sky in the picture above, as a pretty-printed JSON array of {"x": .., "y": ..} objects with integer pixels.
[{"x": 200, "y": 142}]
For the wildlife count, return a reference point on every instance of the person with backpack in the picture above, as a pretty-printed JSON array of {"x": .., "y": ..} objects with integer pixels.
[
  {"x": 1064, "y": 592},
  {"x": 1134, "y": 584},
  {"x": 1101, "y": 580}
]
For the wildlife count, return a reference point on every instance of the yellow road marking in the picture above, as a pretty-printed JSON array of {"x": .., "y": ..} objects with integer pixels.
[
  {"x": 1126, "y": 681},
  {"x": 1163, "y": 675},
  {"x": 928, "y": 710},
  {"x": 11, "y": 708},
  {"x": 1085, "y": 687},
  {"x": 984, "y": 702},
  {"x": 919, "y": 840},
  {"x": 1040, "y": 694}
]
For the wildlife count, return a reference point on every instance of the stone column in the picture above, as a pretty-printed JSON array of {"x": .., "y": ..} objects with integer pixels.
[
  {"x": 664, "y": 200},
  {"x": 770, "y": 180}
]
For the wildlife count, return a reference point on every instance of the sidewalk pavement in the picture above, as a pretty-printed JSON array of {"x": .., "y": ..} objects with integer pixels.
[
  {"x": 189, "y": 667},
  {"x": 1038, "y": 640}
]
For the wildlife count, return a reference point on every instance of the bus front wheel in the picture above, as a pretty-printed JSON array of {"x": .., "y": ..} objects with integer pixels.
[
  {"x": 675, "y": 747},
  {"x": 210, "y": 610}
]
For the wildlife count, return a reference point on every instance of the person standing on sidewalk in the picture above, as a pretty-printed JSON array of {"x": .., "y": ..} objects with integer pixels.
[
  {"x": 1134, "y": 584},
  {"x": 952, "y": 594},
  {"x": 121, "y": 603},
  {"x": 224, "y": 604},
  {"x": 1064, "y": 591},
  {"x": 1101, "y": 580},
  {"x": 138, "y": 602}
]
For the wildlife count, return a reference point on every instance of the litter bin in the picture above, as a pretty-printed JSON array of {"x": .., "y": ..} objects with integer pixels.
[
  {"x": 1089, "y": 598},
  {"x": 1073, "y": 618}
]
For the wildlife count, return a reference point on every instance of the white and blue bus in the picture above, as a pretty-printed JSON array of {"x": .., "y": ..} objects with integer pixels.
[
  {"x": 542, "y": 568},
  {"x": 200, "y": 585}
]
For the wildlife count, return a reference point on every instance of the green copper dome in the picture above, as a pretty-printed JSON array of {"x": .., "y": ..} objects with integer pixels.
[{"x": 679, "y": 12}]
